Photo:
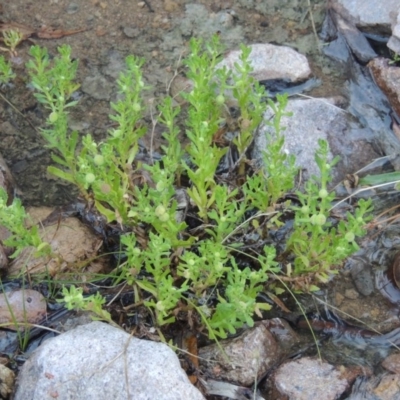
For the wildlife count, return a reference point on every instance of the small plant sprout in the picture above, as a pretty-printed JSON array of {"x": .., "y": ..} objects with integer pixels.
[
  {"x": 12, "y": 38},
  {"x": 6, "y": 73}
]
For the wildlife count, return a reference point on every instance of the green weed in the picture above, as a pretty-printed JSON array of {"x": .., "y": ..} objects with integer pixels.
[{"x": 177, "y": 268}]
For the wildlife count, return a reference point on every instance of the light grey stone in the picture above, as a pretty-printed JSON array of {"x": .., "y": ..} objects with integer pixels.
[
  {"x": 371, "y": 14},
  {"x": 314, "y": 119},
  {"x": 100, "y": 362},
  {"x": 308, "y": 378},
  {"x": 272, "y": 62}
]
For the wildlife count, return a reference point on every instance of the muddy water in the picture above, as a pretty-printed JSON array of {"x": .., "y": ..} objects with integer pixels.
[{"x": 160, "y": 34}]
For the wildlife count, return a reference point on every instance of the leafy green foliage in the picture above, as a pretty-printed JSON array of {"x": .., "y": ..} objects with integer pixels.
[
  {"x": 14, "y": 217},
  {"x": 317, "y": 243},
  {"x": 171, "y": 267},
  {"x": 6, "y": 73},
  {"x": 75, "y": 300},
  {"x": 12, "y": 38}
]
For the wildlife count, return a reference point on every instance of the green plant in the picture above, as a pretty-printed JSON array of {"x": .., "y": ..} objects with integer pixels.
[
  {"x": 395, "y": 59},
  {"x": 12, "y": 38},
  {"x": 75, "y": 300},
  {"x": 174, "y": 268},
  {"x": 6, "y": 73},
  {"x": 14, "y": 218},
  {"x": 318, "y": 243},
  {"x": 277, "y": 175}
]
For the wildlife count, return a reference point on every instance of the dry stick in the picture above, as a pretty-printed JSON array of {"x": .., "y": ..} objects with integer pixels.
[
  {"x": 313, "y": 26},
  {"x": 362, "y": 190}
]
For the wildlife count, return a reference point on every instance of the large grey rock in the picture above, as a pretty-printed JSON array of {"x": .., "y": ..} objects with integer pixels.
[
  {"x": 272, "y": 62},
  {"x": 100, "y": 362},
  {"x": 370, "y": 15},
  {"x": 314, "y": 119}
]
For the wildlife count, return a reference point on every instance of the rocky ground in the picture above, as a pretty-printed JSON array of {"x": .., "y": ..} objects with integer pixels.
[{"x": 347, "y": 109}]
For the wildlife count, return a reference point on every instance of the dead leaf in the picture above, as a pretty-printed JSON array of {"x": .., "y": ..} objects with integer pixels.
[
  {"x": 278, "y": 302},
  {"x": 42, "y": 33}
]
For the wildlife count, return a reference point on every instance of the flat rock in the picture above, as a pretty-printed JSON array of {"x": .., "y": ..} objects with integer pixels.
[
  {"x": 356, "y": 41},
  {"x": 387, "y": 77},
  {"x": 308, "y": 378},
  {"x": 315, "y": 119},
  {"x": 100, "y": 362},
  {"x": 272, "y": 62},
  {"x": 370, "y": 15},
  {"x": 244, "y": 359}
]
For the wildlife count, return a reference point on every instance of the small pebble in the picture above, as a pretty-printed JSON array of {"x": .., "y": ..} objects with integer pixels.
[
  {"x": 72, "y": 8},
  {"x": 351, "y": 294},
  {"x": 170, "y": 5},
  {"x": 130, "y": 32}
]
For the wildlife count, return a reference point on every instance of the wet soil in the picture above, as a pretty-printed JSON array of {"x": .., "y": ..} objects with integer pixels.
[{"x": 159, "y": 31}]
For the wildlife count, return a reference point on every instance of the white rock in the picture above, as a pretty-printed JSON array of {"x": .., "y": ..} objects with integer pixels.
[
  {"x": 272, "y": 62},
  {"x": 100, "y": 362},
  {"x": 371, "y": 14}
]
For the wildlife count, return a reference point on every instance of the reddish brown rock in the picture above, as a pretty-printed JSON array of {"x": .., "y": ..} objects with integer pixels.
[
  {"x": 392, "y": 363},
  {"x": 74, "y": 249},
  {"x": 20, "y": 307},
  {"x": 387, "y": 77}
]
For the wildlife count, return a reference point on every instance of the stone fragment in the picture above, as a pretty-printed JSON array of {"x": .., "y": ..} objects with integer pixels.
[
  {"x": 100, "y": 362},
  {"x": 244, "y": 359},
  {"x": 7, "y": 378},
  {"x": 356, "y": 41}
]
